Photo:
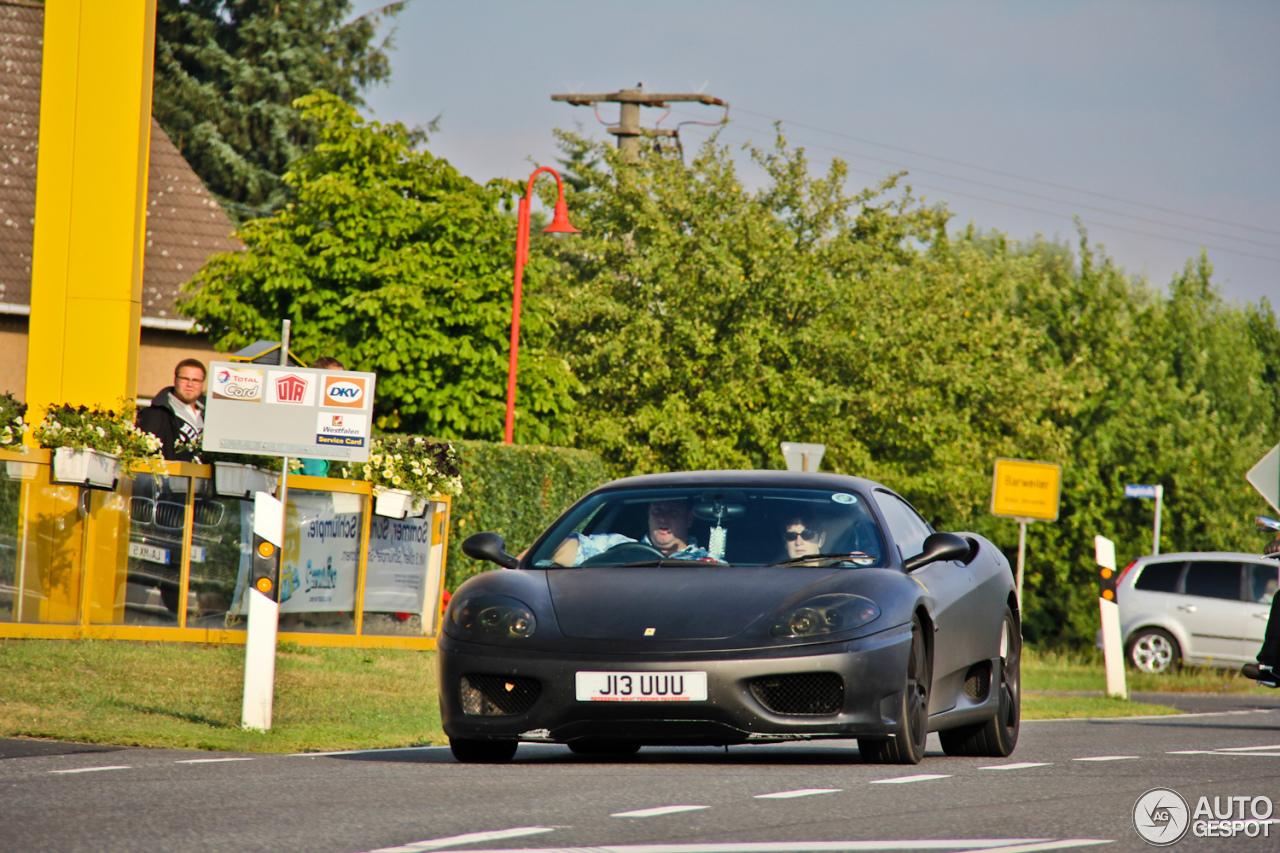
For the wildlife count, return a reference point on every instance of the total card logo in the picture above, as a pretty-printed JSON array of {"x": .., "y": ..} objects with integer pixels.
[
  {"x": 348, "y": 392},
  {"x": 297, "y": 389},
  {"x": 342, "y": 430},
  {"x": 237, "y": 383}
]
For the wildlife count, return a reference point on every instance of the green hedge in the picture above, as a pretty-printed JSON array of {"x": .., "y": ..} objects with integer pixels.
[{"x": 515, "y": 491}]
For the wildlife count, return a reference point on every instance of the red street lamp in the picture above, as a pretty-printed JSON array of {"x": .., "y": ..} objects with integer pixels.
[{"x": 559, "y": 225}]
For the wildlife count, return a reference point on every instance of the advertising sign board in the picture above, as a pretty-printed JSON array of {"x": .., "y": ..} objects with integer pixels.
[
  {"x": 1023, "y": 489},
  {"x": 289, "y": 411}
]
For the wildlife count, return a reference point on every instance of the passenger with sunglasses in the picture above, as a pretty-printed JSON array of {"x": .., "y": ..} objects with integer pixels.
[{"x": 802, "y": 539}]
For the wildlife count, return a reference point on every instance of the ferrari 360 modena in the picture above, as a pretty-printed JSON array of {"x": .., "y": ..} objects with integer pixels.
[{"x": 734, "y": 607}]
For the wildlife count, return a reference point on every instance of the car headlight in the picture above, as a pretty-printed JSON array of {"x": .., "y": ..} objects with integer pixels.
[
  {"x": 826, "y": 614},
  {"x": 493, "y": 617}
]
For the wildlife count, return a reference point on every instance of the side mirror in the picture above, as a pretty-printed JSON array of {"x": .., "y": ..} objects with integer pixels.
[
  {"x": 490, "y": 547},
  {"x": 1266, "y": 525},
  {"x": 937, "y": 546}
]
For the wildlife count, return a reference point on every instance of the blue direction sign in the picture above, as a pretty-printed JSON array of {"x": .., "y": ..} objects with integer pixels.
[{"x": 1139, "y": 491}]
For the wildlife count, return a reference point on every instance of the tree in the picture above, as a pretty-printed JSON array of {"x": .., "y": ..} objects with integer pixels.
[
  {"x": 227, "y": 73},
  {"x": 393, "y": 262},
  {"x": 706, "y": 323}
]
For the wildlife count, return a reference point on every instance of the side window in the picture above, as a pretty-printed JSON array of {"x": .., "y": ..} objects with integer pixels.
[
  {"x": 1263, "y": 582},
  {"x": 1213, "y": 579},
  {"x": 906, "y": 526},
  {"x": 1159, "y": 577}
]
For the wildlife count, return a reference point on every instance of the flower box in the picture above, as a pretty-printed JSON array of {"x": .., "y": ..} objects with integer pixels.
[
  {"x": 18, "y": 470},
  {"x": 91, "y": 468},
  {"x": 398, "y": 503},
  {"x": 237, "y": 480}
]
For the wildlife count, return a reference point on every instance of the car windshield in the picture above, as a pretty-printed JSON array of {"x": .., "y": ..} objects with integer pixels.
[{"x": 740, "y": 526}]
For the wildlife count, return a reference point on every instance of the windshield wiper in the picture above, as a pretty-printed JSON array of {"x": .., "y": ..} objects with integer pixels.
[
  {"x": 846, "y": 557},
  {"x": 665, "y": 561}
]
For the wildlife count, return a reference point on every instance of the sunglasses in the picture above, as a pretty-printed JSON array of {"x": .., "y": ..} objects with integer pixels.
[{"x": 806, "y": 534}]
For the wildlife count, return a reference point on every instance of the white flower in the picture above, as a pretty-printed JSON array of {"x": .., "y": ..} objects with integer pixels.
[{"x": 395, "y": 480}]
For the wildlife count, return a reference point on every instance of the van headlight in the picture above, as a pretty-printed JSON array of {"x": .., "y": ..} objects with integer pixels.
[
  {"x": 493, "y": 617},
  {"x": 826, "y": 614}
]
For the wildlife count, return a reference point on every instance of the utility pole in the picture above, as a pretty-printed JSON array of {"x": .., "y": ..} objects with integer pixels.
[{"x": 628, "y": 129}]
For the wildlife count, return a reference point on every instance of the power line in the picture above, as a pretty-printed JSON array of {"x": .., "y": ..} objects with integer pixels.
[
  {"x": 989, "y": 170},
  {"x": 1058, "y": 214},
  {"x": 1073, "y": 204}
]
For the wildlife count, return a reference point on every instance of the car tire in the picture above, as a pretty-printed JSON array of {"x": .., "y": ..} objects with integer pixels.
[
  {"x": 603, "y": 746},
  {"x": 482, "y": 751},
  {"x": 1153, "y": 650},
  {"x": 169, "y": 597},
  {"x": 997, "y": 737},
  {"x": 907, "y": 744}
]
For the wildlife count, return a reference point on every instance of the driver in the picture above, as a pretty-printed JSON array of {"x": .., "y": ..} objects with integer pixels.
[
  {"x": 669, "y": 523},
  {"x": 802, "y": 539}
]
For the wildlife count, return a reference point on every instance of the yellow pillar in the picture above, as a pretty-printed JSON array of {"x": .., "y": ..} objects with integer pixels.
[
  {"x": 91, "y": 192},
  {"x": 86, "y": 276}
]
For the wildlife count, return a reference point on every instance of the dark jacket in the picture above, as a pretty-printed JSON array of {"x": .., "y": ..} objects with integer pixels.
[{"x": 163, "y": 422}]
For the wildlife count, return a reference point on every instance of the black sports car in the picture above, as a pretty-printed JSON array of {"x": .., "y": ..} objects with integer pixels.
[{"x": 735, "y": 607}]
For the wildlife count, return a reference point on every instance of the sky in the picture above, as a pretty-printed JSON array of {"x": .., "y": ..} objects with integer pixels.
[{"x": 1156, "y": 123}]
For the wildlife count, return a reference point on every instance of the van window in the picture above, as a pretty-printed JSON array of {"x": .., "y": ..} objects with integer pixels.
[
  {"x": 1263, "y": 582},
  {"x": 1213, "y": 579},
  {"x": 1159, "y": 577}
]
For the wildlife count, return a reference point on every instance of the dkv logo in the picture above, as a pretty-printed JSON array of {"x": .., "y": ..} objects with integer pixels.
[{"x": 344, "y": 391}]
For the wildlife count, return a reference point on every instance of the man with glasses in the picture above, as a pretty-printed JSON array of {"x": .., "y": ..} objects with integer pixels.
[
  {"x": 669, "y": 523},
  {"x": 176, "y": 414}
]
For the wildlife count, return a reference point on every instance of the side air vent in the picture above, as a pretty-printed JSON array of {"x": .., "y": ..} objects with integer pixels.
[
  {"x": 977, "y": 681},
  {"x": 800, "y": 694},
  {"x": 498, "y": 695}
]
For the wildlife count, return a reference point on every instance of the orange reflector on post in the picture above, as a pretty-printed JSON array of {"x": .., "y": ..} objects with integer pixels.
[
  {"x": 266, "y": 549},
  {"x": 264, "y": 586}
]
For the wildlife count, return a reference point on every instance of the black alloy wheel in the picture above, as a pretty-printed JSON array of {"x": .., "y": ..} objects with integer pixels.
[{"x": 907, "y": 744}]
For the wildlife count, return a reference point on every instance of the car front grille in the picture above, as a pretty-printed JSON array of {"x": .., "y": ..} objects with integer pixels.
[
  {"x": 498, "y": 695},
  {"x": 807, "y": 693}
]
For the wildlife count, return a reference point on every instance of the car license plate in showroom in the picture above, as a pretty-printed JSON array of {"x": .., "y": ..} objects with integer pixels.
[{"x": 642, "y": 686}]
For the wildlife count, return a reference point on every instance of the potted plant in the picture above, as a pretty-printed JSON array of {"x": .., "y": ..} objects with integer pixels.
[
  {"x": 13, "y": 432},
  {"x": 91, "y": 444},
  {"x": 406, "y": 471},
  {"x": 236, "y": 475}
]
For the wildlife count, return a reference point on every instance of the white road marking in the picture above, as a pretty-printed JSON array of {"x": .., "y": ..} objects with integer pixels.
[
  {"x": 802, "y": 792},
  {"x": 468, "y": 838},
  {"x": 365, "y": 751},
  {"x": 1023, "y": 766},
  {"x": 1247, "y": 748},
  {"x": 1107, "y": 758},
  {"x": 989, "y": 845},
  {"x": 1148, "y": 718},
  {"x": 1229, "y": 752},
  {"x": 94, "y": 769},
  {"x": 899, "y": 780},
  {"x": 209, "y": 760},
  {"x": 660, "y": 810}
]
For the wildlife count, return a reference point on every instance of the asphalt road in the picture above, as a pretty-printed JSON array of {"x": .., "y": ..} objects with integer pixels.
[{"x": 1070, "y": 785}]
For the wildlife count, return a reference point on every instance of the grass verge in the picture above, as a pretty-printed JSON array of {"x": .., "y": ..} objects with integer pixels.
[{"x": 188, "y": 697}]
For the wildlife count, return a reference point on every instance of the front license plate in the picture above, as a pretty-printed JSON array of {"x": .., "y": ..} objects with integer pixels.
[{"x": 642, "y": 686}]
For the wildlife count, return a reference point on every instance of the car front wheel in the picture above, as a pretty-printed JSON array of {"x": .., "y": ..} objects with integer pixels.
[
  {"x": 1153, "y": 650},
  {"x": 907, "y": 744}
]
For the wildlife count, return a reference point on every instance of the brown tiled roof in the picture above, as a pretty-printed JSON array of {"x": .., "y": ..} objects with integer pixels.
[{"x": 184, "y": 223}]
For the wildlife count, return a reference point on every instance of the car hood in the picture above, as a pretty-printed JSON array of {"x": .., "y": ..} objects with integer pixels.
[{"x": 673, "y": 603}]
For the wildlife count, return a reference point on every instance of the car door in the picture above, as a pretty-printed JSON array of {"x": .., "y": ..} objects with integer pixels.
[
  {"x": 1212, "y": 610},
  {"x": 1262, "y": 584},
  {"x": 950, "y": 584}
]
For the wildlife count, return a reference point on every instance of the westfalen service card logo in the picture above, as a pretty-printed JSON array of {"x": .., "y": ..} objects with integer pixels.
[
  {"x": 341, "y": 430},
  {"x": 348, "y": 392},
  {"x": 237, "y": 383}
]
